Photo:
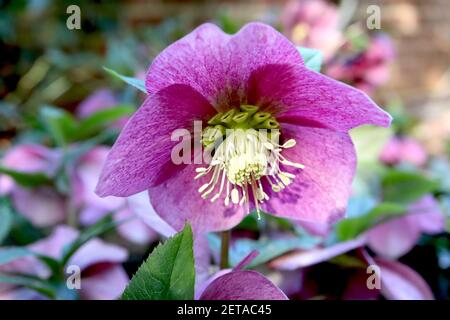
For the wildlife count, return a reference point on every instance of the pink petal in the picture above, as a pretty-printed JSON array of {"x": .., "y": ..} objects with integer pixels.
[
  {"x": 98, "y": 100},
  {"x": 319, "y": 192},
  {"x": 42, "y": 206},
  {"x": 218, "y": 65},
  {"x": 141, "y": 206},
  {"x": 301, "y": 96},
  {"x": 106, "y": 285},
  {"x": 427, "y": 215},
  {"x": 400, "y": 282},
  {"x": 134, "y": 229},
  {"x": 301, "y": 259},
  {"x": 141, "y": 156},
  {"x": 177, "y": 201},
  {"x": 242, "y": 285}
]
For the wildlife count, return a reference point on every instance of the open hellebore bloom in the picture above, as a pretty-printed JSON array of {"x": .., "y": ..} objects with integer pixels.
[{"x": 278, "y": 132}]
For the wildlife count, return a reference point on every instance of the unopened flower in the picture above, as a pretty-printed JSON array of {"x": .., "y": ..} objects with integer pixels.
[{"x": 240, "y": 88}]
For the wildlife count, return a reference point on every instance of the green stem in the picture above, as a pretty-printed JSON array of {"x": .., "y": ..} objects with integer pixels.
[{"x": 224, "y": 249}]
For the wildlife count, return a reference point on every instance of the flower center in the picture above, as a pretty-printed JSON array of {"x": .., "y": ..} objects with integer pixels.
[{"x": 245, "y": 150}]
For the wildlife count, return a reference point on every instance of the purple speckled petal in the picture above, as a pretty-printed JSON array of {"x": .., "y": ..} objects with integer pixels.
[
  {"x": 301, "y": 96},
  {"x": 301, "y": 259},
  {"x": 105, "y": 285},
  {"x": 141, "y": 156},
  {"x": 42, "y": 206},
  {"x": 218, "y": 65},
  {"x": 177, "y": 200},
  {"x": 242, "y": 285},
  {"x": 320, "y": 191},
  {"x": 400, "y": 282}
]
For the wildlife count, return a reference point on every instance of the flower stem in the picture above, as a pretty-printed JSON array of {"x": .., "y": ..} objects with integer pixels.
[{"x": 224, "y": 249}]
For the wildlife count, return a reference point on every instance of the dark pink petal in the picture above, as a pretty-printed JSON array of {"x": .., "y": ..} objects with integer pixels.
[
  {"x": 106, "y": 285},
  {"x": 400, "y": 282},
  {"x": 141, "y": 156},
  {"x": 242, "y": 285},
  {"x": 42, "y": 206},
  {"x": 319, "y": 192},
  {"x": 178, "y": 201},
  {"x": 218, "y": 65},
  {"x": 300, "y": 96},
  {"x": 301, "y": 259}
]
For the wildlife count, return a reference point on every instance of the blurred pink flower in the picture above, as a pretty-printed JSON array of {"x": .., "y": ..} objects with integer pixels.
[
  {"x": 102, "y": 276},
  {"x": 367, "y": 70},
  {"x": 43, "y": 206},
  {"x": 398, "y": 236},
  {"x": 313, "y": 24},
  {"x": 403, "y": 149},
  {"x": 99, "y": 100},
  {"x": 84, "y": 179}
]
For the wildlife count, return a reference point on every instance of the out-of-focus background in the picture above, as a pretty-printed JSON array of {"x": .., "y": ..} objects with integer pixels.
[{"x": 61, "y": 110}]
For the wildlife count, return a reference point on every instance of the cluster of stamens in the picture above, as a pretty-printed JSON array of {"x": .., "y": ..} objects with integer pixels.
[{"x": 245, "y": 150}]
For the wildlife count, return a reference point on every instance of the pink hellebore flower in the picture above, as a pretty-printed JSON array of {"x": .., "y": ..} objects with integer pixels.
[
  {"x": 102, "y": 276},
  {"x": 313, "y": 24},
  {"x": 243, "y": 84},
  {"x": 369, "y": 69},
  {"x": 84, "y": 178},
  {"x": 43, "y": 206},
  {"x": 403, "y": 149}
]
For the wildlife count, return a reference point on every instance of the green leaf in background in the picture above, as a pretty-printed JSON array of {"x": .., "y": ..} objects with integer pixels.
[
  {"x": 6, "y": 219},
  {"x": 268, "y": 248},
  {"x": 168, "y": 273},
  {"x": 26, "y": 179},
  {"x": 352, "y": 227},
  {"x": 405, "y": 187},
  {"x": 137, "y": 83},
  {"x": 30, "y": 282},
  {"x": 99, "y": 120},
  {"x": 59, "y": 123},
  {"x": 313, "y": 58}
]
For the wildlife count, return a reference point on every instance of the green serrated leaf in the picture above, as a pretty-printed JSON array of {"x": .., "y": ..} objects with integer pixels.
[
  {"x": 351, "y": 227},
  {"x": 168, "y": 273},
  {"x": 137, "y": 83},
  {"x": 406, "y": 187},
  {"x": 313, "y": 58}
]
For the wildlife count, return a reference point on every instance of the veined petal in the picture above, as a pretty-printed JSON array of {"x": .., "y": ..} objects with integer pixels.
[
  {"x": 218, "y": 65},
  {"x": 177, "y": 200},
  {"x": 304, "y": 97},
  {"x": 140, "y": 158},
  {"x": 320, "y": 191}
]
